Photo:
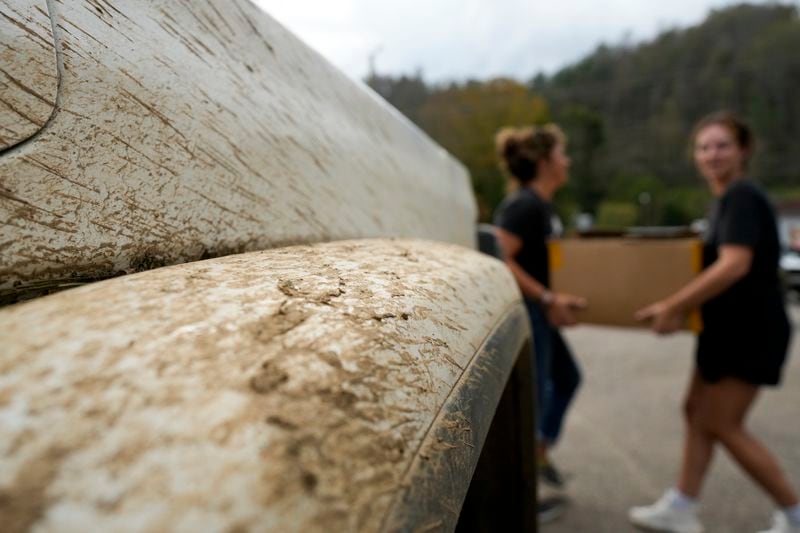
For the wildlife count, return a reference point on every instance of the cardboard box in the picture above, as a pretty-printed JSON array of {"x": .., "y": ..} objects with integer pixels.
[{"x": 619, "y": 276}]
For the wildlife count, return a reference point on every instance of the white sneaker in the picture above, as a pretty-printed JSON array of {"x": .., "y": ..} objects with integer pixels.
[
  {"x": 663, "y": 516},
  {"x": 780, "y": 524}
]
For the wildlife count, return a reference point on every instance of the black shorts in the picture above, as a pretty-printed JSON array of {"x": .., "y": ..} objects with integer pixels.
[{"x": 754, "y": 353}]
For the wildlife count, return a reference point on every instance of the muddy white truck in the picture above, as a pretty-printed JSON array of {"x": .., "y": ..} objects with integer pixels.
[{"x": 240, "y": 292}]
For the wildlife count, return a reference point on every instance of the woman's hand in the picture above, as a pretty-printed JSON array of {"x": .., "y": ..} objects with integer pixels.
[
  {"x": 668, "y": 315},
  {"x": 561, "y": 311},
  {"x": 663, "y": 317}
]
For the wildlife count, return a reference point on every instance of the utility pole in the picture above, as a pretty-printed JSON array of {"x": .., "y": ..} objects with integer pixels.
[{"x": 371, "y": 60}]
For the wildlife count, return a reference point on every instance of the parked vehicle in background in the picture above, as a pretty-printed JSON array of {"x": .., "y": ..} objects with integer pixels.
[
  {"x": 789, "y": 231},
  {"x": 790, "y": 267},
  {"x": 276, "y": 317}
]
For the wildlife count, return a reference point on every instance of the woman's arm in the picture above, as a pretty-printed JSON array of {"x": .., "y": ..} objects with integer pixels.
[
  {"x": 668, "y": 315},
  {"x": 560, "y": 307},
  {"x": 510, "y": 246}
]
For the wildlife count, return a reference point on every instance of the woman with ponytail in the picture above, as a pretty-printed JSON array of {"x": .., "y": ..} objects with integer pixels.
[{"x": 535, "y": 160}]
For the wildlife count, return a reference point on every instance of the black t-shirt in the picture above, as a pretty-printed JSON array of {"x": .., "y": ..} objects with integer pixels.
[
  {"x": 527, "y": 216},
  {"x": 746, "y": 331},
  {"x": 743, "y": 215}
]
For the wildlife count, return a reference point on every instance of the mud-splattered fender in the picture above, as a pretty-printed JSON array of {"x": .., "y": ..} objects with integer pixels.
[{"x": 330, "y": 387}]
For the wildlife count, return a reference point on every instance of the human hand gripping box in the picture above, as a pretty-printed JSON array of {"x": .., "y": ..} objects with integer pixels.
[{"x": 620, "y": 275}]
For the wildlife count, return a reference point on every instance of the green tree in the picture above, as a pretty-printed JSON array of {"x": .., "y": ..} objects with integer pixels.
[
  {"x": 586, "y": 133},
  {"x": 648, "y": 95},
  {"x": 464, "y": 119},
  {"x": 407, "y": 93}
]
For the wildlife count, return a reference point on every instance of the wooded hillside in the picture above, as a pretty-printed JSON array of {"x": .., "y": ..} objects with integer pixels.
[{"x": 628, "y": 110}]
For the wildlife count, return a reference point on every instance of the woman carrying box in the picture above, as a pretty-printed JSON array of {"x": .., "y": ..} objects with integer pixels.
[
  {"x": 745, "y": 337},
  {"x": 537, "y": 164}
]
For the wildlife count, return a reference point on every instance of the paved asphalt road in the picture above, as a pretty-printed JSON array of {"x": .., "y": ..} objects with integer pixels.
[{"x": 622, "y": 440}]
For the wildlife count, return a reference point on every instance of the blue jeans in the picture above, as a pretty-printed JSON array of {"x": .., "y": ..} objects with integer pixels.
[{"x": 557, "y": 374}]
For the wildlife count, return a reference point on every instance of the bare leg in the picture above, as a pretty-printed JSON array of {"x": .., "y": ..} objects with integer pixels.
[
  {"x": 721, "y": 412},
  {"x": 698, "y": 444}
]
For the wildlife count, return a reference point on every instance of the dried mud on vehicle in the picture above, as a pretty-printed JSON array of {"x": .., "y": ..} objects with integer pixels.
[{"x": 264, "y": 390}]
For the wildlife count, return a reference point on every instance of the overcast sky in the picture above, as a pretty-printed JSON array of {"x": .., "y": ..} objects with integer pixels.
[{"x": 458, "y": 39}]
